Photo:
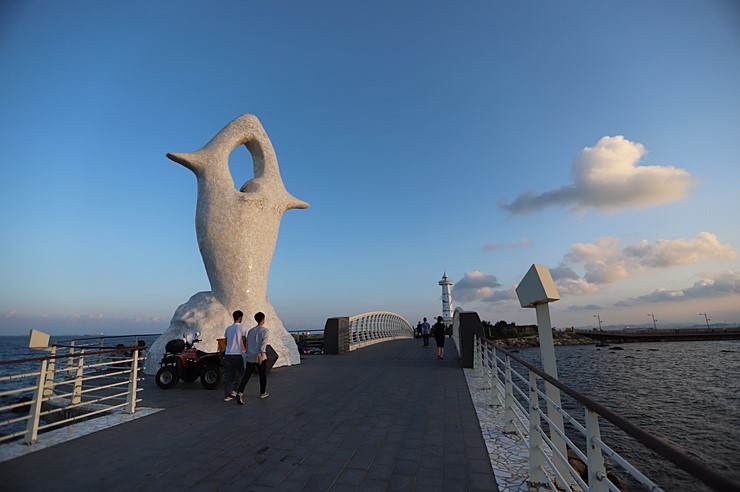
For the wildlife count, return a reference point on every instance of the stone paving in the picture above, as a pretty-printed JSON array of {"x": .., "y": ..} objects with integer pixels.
[{"x": 387, "y": 417}]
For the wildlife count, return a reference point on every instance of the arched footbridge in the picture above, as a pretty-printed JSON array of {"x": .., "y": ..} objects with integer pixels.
[{"x": 343, "y": 334}]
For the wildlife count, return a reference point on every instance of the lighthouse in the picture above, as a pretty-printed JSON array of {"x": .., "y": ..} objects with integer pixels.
[{"x": 447, "y": 307}]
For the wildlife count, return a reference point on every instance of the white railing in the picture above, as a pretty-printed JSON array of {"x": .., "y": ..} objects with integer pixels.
[
  {"x": 69, "y": 387},
  {"x": 377, "y": 326},
  {"x": 521, "y": 397}
]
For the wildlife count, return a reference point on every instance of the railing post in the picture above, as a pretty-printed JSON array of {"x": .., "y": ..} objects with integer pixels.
[
  {"x": 509, "y": 414},
  {"x": 77, "y": 391},
  {"x": 486, "y": 368},
  {"x": 49, "y": 378},
  {"x": 596, "y": 468},
  {"x": 71, "y": 358},
  {"x": 497, "y": 399},
  {"x": 477, "y": 361},
  {"x": 132, "y": 382},
  {"x": 32, "y": 429},
  {"x": 536, "y": 454}
]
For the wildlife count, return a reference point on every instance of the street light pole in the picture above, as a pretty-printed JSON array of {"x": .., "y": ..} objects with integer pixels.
[
  {"x": 599, "y": 318},
  {"x": 655, "y": 325},
  {"x": 705, "y": 318}
]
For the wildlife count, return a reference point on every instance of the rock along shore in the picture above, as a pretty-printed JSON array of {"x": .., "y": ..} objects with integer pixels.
[{"x": 534, "y": 341}]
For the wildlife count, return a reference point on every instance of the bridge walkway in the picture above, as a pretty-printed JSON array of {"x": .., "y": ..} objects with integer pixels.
[{"x": 386, "y": 417}]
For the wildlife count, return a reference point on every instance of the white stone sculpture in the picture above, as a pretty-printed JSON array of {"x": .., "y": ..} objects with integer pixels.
[{"x": 237, "y": 231}]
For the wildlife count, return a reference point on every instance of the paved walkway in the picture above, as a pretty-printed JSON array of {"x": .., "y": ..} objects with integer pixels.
[{"x": 383, "y": 418}]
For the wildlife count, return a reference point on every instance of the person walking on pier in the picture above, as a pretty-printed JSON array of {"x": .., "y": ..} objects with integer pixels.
[
  {"x": 439, "y": 336},
  {"x": 256, "y": 357},
  {"x": 425, "y": 332},
  {"x": 235, "y": 335}
]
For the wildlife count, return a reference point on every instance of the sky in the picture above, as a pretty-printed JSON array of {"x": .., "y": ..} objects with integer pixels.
[{"x": 600, "y": 139}]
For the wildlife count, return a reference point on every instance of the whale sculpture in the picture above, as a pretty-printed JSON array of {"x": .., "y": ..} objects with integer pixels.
[{"x": 237, "y": 231}]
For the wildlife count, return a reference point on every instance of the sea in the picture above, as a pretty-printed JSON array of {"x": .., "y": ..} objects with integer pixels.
[{"x": 687, "y": 393}]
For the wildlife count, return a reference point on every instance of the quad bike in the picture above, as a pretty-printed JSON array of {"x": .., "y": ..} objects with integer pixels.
[{"x": 182, "y": 361}]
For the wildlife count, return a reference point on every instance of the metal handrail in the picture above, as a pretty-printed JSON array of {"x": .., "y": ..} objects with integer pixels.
[
  {"x": 683, "y": 461},
  {"x": 78, "y": 372}
]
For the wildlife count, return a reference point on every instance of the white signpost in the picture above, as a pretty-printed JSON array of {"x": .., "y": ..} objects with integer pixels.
[{"x": 536, "y": 290}]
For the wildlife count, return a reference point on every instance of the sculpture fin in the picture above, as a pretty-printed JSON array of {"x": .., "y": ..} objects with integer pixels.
[{"x": 187, "y": 159}]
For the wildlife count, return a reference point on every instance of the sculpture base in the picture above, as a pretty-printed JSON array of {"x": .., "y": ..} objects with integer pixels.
[{"x": 205, "y": 314}]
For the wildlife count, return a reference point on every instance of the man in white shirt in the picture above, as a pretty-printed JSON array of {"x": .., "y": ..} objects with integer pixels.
[
  {"x": 235, "y": 335},
  {"x": 256, "y": 357}
]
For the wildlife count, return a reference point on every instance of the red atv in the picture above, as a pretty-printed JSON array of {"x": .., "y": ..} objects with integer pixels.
[{"x": 182, "y": 361}]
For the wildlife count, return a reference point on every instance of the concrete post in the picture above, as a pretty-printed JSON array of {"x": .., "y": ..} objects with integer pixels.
[
  {"x": 336, "y": 335},
  {"x": 469, "y": 327}
]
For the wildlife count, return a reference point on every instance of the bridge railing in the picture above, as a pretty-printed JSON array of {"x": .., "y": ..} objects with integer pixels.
[
  {"x": 521, "y": 396},
  {"x": 73, "y": 383},
  {"x": 377, "y": 326}
]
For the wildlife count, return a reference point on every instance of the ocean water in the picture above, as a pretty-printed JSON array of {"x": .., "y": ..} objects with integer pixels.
[{"x": 687, "y": 393}]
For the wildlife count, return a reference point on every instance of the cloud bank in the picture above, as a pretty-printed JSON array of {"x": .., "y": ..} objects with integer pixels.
[
  {"x": 607, "y": 177},
  {"x": 710, "y": 286},
  {"x": 479, "y": 287},
  {"x": 604, "y": 262}
]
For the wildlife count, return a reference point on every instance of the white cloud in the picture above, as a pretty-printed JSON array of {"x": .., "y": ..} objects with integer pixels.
[
  {"x": 604, "y": 262},
  {"x": 710, "y": 286},
  {"x": 480, "y": 287},
  {"x": 666, "y": 252},
  {"x": 569, "y": 282},
  {"x": 607, "y": 177}
]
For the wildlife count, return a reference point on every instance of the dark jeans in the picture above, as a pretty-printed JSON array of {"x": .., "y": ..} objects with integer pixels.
[
  {"x": 261, "y": 370},
  {"x": 233, "y": 370},
  {"x": 426, "y": 340}
]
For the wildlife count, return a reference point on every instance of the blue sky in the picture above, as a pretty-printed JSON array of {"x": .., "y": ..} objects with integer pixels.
[{"x": 600, "y": 139}]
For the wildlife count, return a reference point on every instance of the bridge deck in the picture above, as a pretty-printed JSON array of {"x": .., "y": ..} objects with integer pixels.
[{"x": 386, "y": 417}]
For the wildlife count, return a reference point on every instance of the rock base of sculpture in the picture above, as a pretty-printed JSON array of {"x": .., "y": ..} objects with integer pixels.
[{"x": 205, "y": 314}]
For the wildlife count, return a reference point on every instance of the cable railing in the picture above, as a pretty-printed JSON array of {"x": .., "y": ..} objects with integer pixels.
[
  {"x": 549, "y": 464},
  {"x": 73, "y": 383},
  {"x": 377, "y": 326}
]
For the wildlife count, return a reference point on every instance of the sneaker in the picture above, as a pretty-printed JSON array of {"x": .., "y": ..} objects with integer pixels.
[
  {"x": 264, "y": 395},
  {"x": 239, "y": 399},
  {"x": 230, "y": 397}
]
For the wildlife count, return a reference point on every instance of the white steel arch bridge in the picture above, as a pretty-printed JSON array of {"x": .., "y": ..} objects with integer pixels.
[{"x": 377, "y": 326}]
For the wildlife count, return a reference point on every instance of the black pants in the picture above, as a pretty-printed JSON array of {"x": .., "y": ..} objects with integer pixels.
[
  {"x": 426, "y": 340},
  {"x": 261, "y": 371}
]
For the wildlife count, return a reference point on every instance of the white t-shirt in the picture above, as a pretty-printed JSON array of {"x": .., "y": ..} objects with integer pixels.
[{"x": 234, "y": 334}]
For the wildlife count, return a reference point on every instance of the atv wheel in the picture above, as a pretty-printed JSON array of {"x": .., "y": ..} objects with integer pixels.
[
  {"x": 212, "y": 376},
  {"x": 167, "y": 377}
]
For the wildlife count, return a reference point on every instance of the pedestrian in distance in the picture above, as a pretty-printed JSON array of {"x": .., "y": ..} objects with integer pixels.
[
  {"x": 236, "y": 336},
  {"x": 439, "y": 336},
  {"x": 256, "y": 357},
  {"x": 425, "y": 332},
  {"x": 418, "y": 330}
]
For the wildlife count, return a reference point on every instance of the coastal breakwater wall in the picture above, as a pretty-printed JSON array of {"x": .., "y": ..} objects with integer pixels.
[{"x": 678, "y": 335}]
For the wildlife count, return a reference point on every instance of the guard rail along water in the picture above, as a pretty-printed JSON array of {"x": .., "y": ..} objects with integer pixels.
[
  {"x": 342, "y": 334},
  {"x": 80, "y": 383},
  {"x": 521, "y": 396}
]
